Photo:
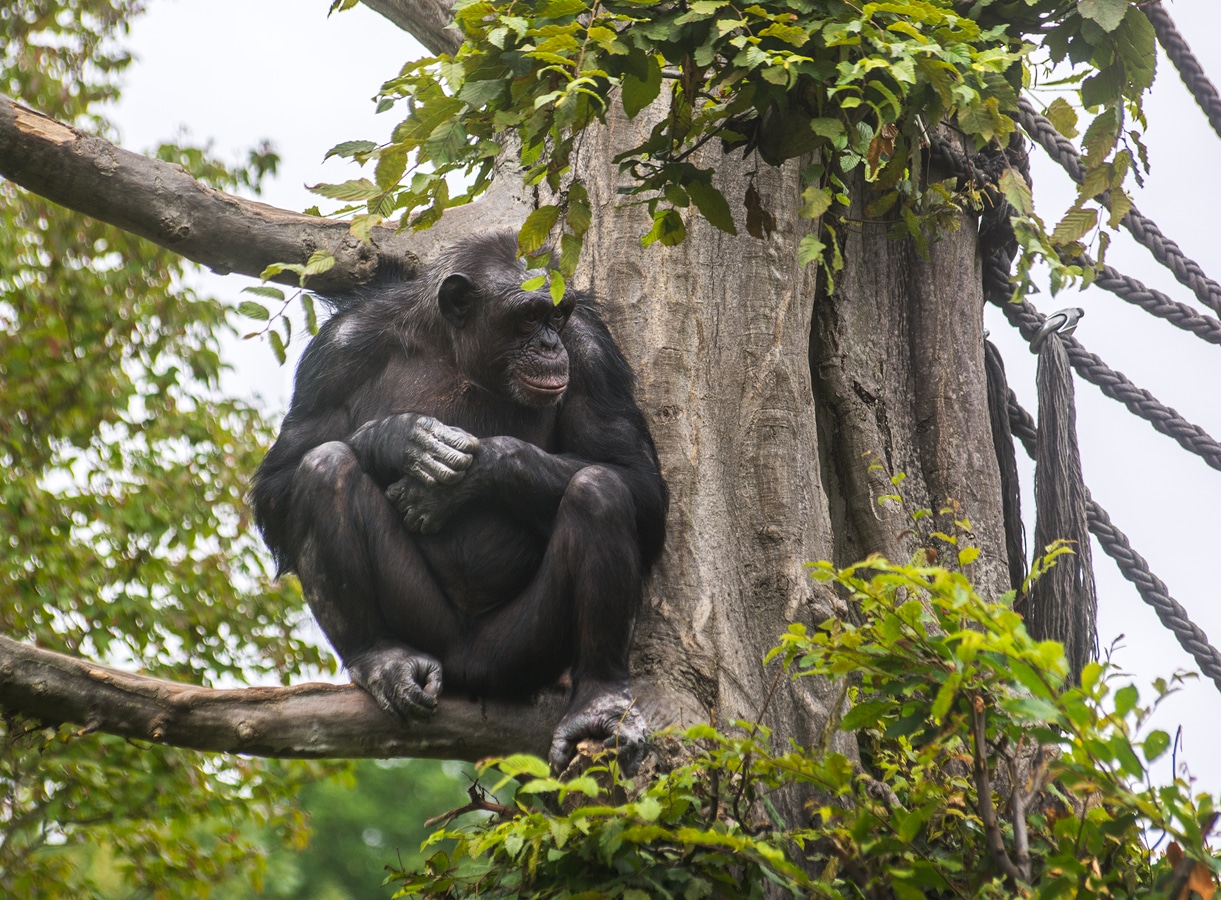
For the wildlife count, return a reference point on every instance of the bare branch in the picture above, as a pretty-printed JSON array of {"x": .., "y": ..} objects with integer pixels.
[
  {"x": 161, "y": 202},
  {"x": 424, "y": 20},
  {"x": 983, "y": 790},
  {"x": 303, "y": 721}
]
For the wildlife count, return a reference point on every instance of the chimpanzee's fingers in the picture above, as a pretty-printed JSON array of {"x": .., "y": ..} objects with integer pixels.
[
  {"x": 431, "y": 470},
  {"x": 562, "y": 752},
  {"x": 445, "y": 457},
  {"x": 421, "y": 469},
  {"x": 462, "y": 441}
]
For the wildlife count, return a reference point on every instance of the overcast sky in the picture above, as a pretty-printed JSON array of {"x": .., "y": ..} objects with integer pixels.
[{"x": 238, "y": 71}]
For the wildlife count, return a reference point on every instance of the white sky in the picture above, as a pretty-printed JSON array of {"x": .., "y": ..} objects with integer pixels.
[{"x": 238, "y": 71}]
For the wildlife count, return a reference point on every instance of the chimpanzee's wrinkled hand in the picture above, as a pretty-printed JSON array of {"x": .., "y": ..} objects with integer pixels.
[
  {"x": 426, "y": 508},
  {"x": 436, "y": 453},
  {"x": 404, "y": 682},
  {"x": 609, "y": 716}
]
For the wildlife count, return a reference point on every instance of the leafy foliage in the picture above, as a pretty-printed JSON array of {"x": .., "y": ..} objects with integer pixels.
[
  {"x": 855, "y": 88},
  {"x": 122, "y": 482},
  {"x": 982, "y": 774}
]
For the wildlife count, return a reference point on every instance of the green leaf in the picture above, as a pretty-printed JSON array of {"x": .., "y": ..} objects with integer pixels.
[
  {"x": 446, "y": 143},
  {"x": 533, "y": 284},
  {"x": 817, "y": 201},
  {"x": 810, "y": 250},
  {"x": 1155, "y": 744},
  {"x": 638, "y": 93},
  {"x": 349, "y": 149},
  {"x": 320, "y": 261},
  {"x": 277, "y": 347},
  {"x": 1017, "y": 191},
  {"x": 554, "y": 9},
  {"x": 390, "y": 168},
  {"x": 311, "y": 315},
  {"x": 524, "y": 764},
  {"x": 712, "y": 205},
  {"x": 945, "y": 696},
  {"x": 570, "y": 253},
  {"x": 867, "y": 715},
  {"x": 357, "y": 189},
  {"x": 362, "y": 226},
  {"x": 264, "y": 290},
  {"x": 829, "y": 128},
  {"x": 1125, "y": 700},
  {"x": 1107, "y": 13},
  {"x": 537, "y": 229},
  {"x": 1075, "y": 225},
  {"x": 790, "y": 34},
  {"x": 252, "y": 310},
  {"x": 1033, "y": 708},
  {"x": 557, "y": 287},
  {"x": 668, "y": 229},
  {"x": 1062, "y": 117}
]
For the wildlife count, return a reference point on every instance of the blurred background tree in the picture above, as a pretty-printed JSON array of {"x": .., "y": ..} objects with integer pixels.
[{"x": 123, "y": 470}]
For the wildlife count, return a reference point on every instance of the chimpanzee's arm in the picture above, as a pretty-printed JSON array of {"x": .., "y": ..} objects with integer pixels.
[
  {"x": 413, "y": 444},
  {"x": 599, "y": 424}
]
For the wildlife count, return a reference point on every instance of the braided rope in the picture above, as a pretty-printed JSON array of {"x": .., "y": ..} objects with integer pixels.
[
  {"x": 1186, "y": 271},
  {"x": 1158, "y": 304},
  {"x": 1089, "y": 366},
  {"x": 1184, "y": 60},
  {"x": 1134, "y": 567}
]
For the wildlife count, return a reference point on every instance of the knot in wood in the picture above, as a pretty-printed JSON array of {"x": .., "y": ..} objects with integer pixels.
[{"x": 246, "y": 731}]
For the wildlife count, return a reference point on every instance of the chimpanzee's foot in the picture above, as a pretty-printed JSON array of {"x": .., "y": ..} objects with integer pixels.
[
  {"x": 404, "y": 682},
  {"x": 609, "y": 716}
]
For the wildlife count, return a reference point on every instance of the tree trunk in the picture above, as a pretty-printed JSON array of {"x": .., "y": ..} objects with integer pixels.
[{"x": 768, "y": 467}]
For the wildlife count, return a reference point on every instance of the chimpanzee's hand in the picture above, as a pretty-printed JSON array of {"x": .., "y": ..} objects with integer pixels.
[
  {"x": 425, "y": 508},
  {"x": 609, "y": 716},
  {"x": 436, "y": 453},
  {"x": 404, "y": 682}
]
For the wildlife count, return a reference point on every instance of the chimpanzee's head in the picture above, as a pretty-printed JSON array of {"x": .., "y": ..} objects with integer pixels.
[{"x": 506, "y": 340}]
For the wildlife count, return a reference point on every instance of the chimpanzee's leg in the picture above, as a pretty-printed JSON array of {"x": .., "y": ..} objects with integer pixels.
[
  {"x": 353, "y": 556},
  {"x": 579, "y": 609}
]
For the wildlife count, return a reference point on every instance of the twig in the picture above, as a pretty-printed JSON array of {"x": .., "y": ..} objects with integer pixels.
[
  {"x": 479, "y": 803},
  {"x": 983, "y": 788}
]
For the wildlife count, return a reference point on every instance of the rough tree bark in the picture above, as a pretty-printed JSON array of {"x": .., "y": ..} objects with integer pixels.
[{"x": 768, "y": 394}]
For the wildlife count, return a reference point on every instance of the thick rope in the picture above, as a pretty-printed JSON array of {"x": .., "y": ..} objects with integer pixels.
[
  {"x": 1134, "y": 567},
  {"x": 1089, "y": 366},
  {"x": 1063, "y": 604},
  {"x": 1158, "y": 304},
  {"x": 1006, "y": 461},
  {"x": 1114, "y": 542},
  {"x": 1184, "y": 60},
  {"x": 1164, "y": 250}
]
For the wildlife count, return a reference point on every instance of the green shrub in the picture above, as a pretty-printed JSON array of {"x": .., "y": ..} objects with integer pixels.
[{"x": 983, "y": 773}]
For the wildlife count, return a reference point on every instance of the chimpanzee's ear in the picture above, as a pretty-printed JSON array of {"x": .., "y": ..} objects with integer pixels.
[{"x": 456, "y": 298}]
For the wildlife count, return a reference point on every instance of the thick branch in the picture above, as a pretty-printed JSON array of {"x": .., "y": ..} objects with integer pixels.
[
  {"x": 424, "y": 20},
  {"x": 161, "y": 202},
  {"x": 304, "y": 721}
]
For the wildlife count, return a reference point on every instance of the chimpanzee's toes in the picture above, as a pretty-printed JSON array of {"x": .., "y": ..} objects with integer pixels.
[
  {"x": 404, "y": 683},
  {"x": 611, "y": 718}
]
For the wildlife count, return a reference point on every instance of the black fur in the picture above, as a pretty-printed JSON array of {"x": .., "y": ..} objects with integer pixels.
[{"x": 454, "y": 508}]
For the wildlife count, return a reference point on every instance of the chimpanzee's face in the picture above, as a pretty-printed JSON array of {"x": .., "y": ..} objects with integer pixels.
[{"x": 508, "y": 340}]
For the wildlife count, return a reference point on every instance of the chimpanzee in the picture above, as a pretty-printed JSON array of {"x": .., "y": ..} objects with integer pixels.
[{"x": 466, "y": 487}]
